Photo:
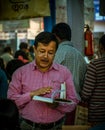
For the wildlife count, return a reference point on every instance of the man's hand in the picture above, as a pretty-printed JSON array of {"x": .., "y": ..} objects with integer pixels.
[{"x": 41, "y": 91}]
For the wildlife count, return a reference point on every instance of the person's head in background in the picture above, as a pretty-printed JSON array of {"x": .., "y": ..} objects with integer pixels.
[
  {"x": 21, "y": 55},
  {"x": 62, "y": 32},
  {"x": 102, "y": 46},
  {"x": 46, "y": 45},
  {"x": 31, "y": 49},
  {"x": 9, "y": 115},
  {"x": 24, "y": 47},
  {"x": 8, "y": 49},
  {"x": 12, "y": 66}
]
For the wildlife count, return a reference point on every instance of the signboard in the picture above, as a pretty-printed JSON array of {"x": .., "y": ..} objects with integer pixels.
[
  {"x": 23, "y": 9},
  {"x": 7, "y": 36},
  {"x": 16, "y": 24}
]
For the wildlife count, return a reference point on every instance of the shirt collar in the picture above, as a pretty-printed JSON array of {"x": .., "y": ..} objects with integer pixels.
[
  {"x": 70, "y": 43},
  {"x": 54, "y": 66}
]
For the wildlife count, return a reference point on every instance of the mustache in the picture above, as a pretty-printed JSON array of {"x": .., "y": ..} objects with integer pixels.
[{"x": 45, "y": 60}]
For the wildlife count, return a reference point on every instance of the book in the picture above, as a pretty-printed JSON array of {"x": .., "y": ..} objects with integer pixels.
[
  {"x": 51, "y": 100},
  {"x": 63, "y": 91},
  {"x": 61, "y": 99},
  {"x": 44, "y": 99}
]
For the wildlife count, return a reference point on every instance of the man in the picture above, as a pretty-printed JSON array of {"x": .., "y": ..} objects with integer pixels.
[
  {"x": 93, "y": 91},
  {"x": 42, "y": 77},
  {"x": 69, "y": 56}
]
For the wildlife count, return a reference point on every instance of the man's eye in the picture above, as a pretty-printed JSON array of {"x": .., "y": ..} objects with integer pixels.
[
  {"x": 51, "y": 53},
  {"x": 41, "y": 51}
]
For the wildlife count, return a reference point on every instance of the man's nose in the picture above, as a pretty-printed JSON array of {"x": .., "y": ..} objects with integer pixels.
[{"x": 46, "y": 54}]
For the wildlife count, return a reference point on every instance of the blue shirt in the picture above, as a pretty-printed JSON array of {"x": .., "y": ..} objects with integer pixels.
[
  {"x": 3, "y": 84},
  {"x": 70, "y": 57}
]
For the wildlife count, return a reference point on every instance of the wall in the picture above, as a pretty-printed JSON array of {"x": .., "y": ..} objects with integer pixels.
[{"x": 99, "y": 27}]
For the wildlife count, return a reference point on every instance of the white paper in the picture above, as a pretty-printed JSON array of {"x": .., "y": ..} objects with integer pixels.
[
  {"x": 63, "y": 91},
  {"x": 44, "y": 99}
]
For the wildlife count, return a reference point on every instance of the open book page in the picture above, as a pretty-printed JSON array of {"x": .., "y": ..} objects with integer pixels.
[
  {"x": 43, "y": 99},
  {"x": 62, "y": 98},
  {"x": 50, "y": 100}
]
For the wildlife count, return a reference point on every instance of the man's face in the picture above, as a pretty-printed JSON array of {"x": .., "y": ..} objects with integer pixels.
[{"x": 44, "y": 55}]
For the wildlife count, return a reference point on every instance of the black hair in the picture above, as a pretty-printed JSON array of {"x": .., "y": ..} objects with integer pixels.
[
  {"x": 12, "y": 65},
  {"x": 21, "y": 53},
  {"x": 23, "y": 45},
  {"x": 31, "y": 49},
  {"x": 62, "y": 30},
  {"x": 7, "y": 49},
  {"x": 45, "y": 38},
  {"x": 102, "y": 41},
  {"x": 9, "y": 115}
]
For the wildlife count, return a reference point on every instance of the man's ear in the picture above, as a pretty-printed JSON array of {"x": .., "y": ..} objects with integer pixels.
[
  {"x": 59, "y": 40},
  {"x": 35, "y": 48}
]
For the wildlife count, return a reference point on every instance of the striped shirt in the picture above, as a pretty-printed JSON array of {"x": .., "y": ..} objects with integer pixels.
[
  {"x": 28, "y": 78},
  {"x": 94, "y": 90}
]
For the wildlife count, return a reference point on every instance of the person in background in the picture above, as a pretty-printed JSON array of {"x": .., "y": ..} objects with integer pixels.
[
  {"x": 70, "y": 57},
  {"x": 9, "y": 115},
  {"x": 3, "y": 84},
  {"x": 21, "y": 55},
  {"x": 3, "y": 80},
  {"x": 7, "y": 54},
  {"x": 12, "y": 66},
  {"x": 93, "y": 91},
  {"x": 2, "y": 65},
  {"x": 42, "y": 77},
  {"x": 25, "y": 47},
  {"x": 32, "y": 53}
]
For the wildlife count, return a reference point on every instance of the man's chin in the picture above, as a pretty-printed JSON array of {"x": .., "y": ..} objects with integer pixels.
[{"x": 44, "y": 66}]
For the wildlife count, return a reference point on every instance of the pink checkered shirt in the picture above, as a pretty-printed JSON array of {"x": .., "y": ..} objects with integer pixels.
[{"x": 28, "y": 78}]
